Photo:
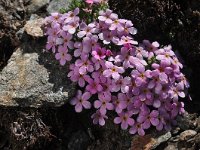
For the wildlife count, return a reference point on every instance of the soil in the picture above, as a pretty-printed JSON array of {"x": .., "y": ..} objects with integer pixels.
[{"x": 175, "y": 22}]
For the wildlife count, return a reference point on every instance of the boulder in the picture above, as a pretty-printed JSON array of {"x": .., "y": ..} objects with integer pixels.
[
  {"x": 33, "y": 78},
  {"x": 36, "y": 5}
]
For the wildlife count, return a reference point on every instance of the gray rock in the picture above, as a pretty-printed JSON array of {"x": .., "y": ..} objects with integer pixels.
[
  {"x": 56, "y": 5},
  {"x": 36, "y": 5},
  {"x": 171, "y": 147},
  {"x": 162, "y": 138},
  {"x": 150, "y": 141},
  {"x": 34, "y": 79},
  {"x": 34, "y": 27},
  {"x": 186, "y": 121},
  {"x": 186, "y": 135}
]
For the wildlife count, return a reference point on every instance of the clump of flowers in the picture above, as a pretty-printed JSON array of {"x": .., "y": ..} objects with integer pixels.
[{"x": 140, "y": 82}]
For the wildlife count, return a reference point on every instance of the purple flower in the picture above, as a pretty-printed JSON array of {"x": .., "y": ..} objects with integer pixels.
[
  {"x": 86, "y": 30},
  {"x": 140, "y": 76},
  {"x": 113, "y": 70},
  {"x": 160, "y": 126},
  {"x": 125, "y": 57},
  {"x": 166, "y": 56},
  {"x": 121, "y": 84},
  {"x": 106, "y": 84},
  {"x": 66, "y": 40},
  {"x": 127, "y": 39},
  {"x": 71, "y": 26},
  {"x": 107, "y": 16},
  {"x": 94, "y": 86},
  {"x": 177, "y": 108},
  {"x": 142, "y": 83},
  {"x": 84, "y": 65},
  {"x": 55, "y": 17},
  {"x": 145, "y": 93},
  {"x": 63, "y": 55},
  {"x": 89, "y": 43},
  {"x": 53, "y": 32},
  {"x": 98, "y": 64},
  {"x": 107, "y": 37},
  {"x": 99, "y": 53},
  {"x": 176, "y": 63},
  {"x": 129, "y": 29},
  {"x": 162, "y": 71},
  {"x": 183, "y": 81},
  {"x": 142, "y": 103},
  {"x": 137, "y": 127},
  {"x": 79, "y": 49},
  {"x": 72, "y": 15},
  {"x": 125, "y": 120},
  {"x": 148, "y": 118},
  {"x": 119, "y": 103},
  {"x": 156, "y": 82},
  {"x": 51, "y": 44},
  {"x": 99, "y": 118},
  {"x": 151, "y": 47},
  {"x": 117, "y": 25},
  {"x": 134, "y": 88},
  {"x": 140, "y": 52},
  {"x": 176, "y": 91},
  {"x": 104, "y": 103},
  {"x": 81, "y": 100},
  {"x": 75, "y": 76}
]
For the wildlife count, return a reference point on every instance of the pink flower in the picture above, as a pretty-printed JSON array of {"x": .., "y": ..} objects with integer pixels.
[
  {"x": 107, "y": 16},
  {"x": 125, "y": 57},
  {"x": 106, "y": 84},
  {"x": 86, "y": 30},
  {"x": 79, "y": 49},
  {"x": 89, "y": 1},
  {"x": 137, "y": 127},
  {"x": 126, "y": 40},
  {"x": 140, "y": 76},
  {"x": 117, "y": 24},
  {"x": 99, "y": 118},
  {"x": 81, "y": 100},
  {"x": 119, "y": 103},
  {"x": 84, "y": 65},
  {"x": 99, "y": 53},
  {"x": 51, "y": 44},
  {"x": 89, "y": 43},
  {"x": 122, "y": 84},
  {"x": 125, "y": 120},
  {"x": 63, "y": 55},
  {"x": 104, "y": 103},
  {"x": 71, "y": 26},
  {"x": 148, "y": 118},
  {"x": 177, "y": 108},
  {"x": 72, "y": 16},
  {"x": 75, "y": 76},
  {"x": 65, "y": 40},
  {"x": 113, "y": 70},
  {"x": 94, "y": 86},
  {"x": 176, "y": 91}
]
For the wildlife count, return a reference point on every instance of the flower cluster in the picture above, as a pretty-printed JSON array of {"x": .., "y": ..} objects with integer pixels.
[{"x": 140, "y": 83}]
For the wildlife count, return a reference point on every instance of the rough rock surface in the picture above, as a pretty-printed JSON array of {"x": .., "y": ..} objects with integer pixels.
[
  {"x": 31, "y": 80},
  {"x": 56, "y": 5},
  {"x": 34, "y": 27},
  {"x": 36, "y": 5}
]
